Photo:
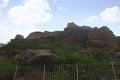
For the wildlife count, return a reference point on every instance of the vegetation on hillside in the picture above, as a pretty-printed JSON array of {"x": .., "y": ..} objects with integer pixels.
[{"x": 66, "y": 53}]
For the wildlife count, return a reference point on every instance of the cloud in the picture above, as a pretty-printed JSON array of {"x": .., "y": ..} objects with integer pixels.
[
  {"x": 55, "y": 0},
  {"x": 31, "y": 12},
  {"x": 111, "y": 14},
  {"x": 60, "y": 8},
  {"x": 3, "y": 3},
  {"x": 4, "y": 33},
  {"x": 58, "y": 0},
  {"x": 91, "y": 19}
]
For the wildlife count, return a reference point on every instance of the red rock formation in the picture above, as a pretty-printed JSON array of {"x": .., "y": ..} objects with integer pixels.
[
  {"x": 35, "y": 35},
  {"x": 102, "y": 37},
  {"x": 19, "y": 37},
  {"x": 85, "y": 36}
]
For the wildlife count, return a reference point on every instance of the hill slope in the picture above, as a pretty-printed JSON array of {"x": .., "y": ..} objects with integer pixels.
[{"x": 84, "y": 36}]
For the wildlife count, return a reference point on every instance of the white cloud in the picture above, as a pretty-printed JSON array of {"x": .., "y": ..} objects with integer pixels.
[
  {"x": 58, "y": 0},
  {"x": 111, "y": 14},
  {"x": 55, "y": 0},
  {"x": 4, "y": 34},
  {"x": 31, "y": 12},
  {"x": 91, "y": 19},
  {"x": 3, "y": 3},
  {"x": 60, "y": 8}
]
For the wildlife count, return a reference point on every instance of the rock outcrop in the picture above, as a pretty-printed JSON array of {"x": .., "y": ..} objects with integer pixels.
[
  {"x": 85, "y": 36},
  {"x": 102, "y": 37},
  {"x": 71, "y": 25},
  {"x": 18, "y": 38},
  {"x": 73, "y": 34},
  {"x": 34, "y": 56},
  {"x": 35, "y": 35}
]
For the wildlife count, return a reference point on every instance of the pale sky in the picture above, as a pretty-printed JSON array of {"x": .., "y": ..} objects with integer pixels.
[{"x": 26, "y": 16}]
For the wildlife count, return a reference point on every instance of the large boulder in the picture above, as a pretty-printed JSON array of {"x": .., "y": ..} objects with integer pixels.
[{"x": 34, "y": 56}]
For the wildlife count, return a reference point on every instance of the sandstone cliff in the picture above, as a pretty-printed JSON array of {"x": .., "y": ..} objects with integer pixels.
[{"x": 85, "y": 36}]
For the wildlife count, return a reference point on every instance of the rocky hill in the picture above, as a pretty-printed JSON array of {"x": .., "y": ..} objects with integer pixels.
[{"x": 84, "y": 36}]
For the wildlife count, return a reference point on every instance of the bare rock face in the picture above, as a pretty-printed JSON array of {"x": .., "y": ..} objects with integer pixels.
[
  {"x": 102, "y": 37},
  {"x": 71, "y": 25},
  {"x": 43, "y": 37},
  {"x": 35, "y": 35},
  {"x": 85, "y": 36},
  {"x": 88, "y": 37},
  {"x": 74, "y": 34}
]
